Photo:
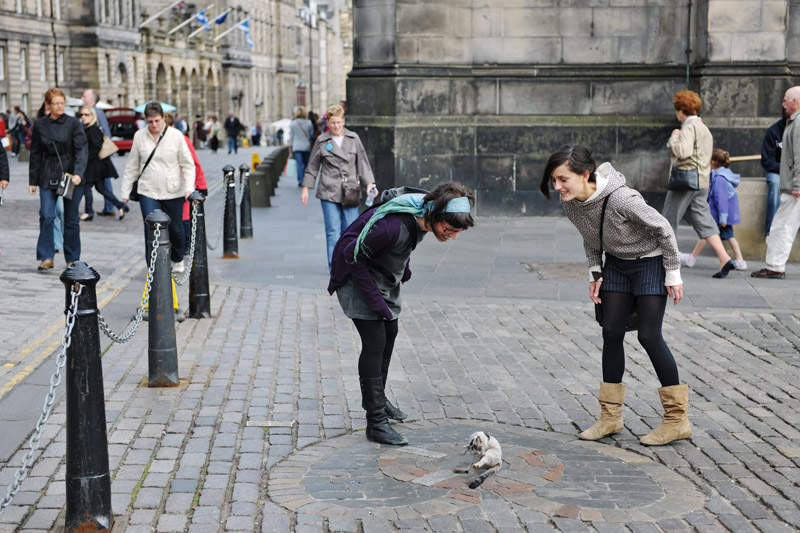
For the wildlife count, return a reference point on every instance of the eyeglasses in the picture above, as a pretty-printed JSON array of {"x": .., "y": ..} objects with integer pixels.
[
  {"x": 86, "y": 114},
  {"x": 450, "y": 231}
]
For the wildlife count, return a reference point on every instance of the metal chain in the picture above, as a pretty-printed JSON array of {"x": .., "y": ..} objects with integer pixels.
[
  {"x": 55, "y": 380},
  {"x": 131, "y": 331},
  {"x": 219, "y": 233},
  {"x": 188, "y": 268}
]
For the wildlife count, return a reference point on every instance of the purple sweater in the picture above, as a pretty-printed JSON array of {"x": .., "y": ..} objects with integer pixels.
[{"x": 383, "y": 260}]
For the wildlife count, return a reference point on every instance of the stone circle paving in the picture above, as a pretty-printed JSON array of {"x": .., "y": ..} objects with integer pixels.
[{"x": 543, "y": 471}]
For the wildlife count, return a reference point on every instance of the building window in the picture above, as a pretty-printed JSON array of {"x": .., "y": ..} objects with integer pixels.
[
  {"x": 25, "y": 104},
  {"x": 2, "y": 63},
  {"x": 60, "y": 67},
  {"x": 43, "y": 67},
  {"x": 23, "y": 64},
  {"x": 108, "y": 68},
  {"x": 19, "y": 6},
  {"x": 4, "y": 101},
  {"x": 39, "y": 11}
]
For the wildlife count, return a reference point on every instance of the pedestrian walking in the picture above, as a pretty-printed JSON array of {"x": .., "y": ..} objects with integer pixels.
[
  {"x": 58, "y": 146},
  {"x": 5, "y": 175},
  {"x": 301, "y": 141},
  {"x": 341, "y": 162},
  {"x": 232, "y": 128},
  {"x": 771, "y": 162},
  {"x": 90, "y": 98},
  {"x": 198, "y": 132},
  {"x": 370, "y": 263},
  {"x": 641, "y": 269},
  {"x": 199, "y": 181},
  {"x": 724, "y": 204},
  {"x": 214, "y": 130},
  {"x": 690, "y": 150},
  {"x": 787, "y": 218},
  {"x": 97, "y": 170},
  {"x": 162, "y": 164}
]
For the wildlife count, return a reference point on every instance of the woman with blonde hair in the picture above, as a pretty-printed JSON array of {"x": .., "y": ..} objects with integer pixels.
[{"x": 97, "y": 170}]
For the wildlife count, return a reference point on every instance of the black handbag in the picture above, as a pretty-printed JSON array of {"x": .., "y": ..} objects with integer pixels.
[
  {"x": 683, "y": 180},
  {"x": 134, "y": 194},
  {"x": 633, "y": 318},
  {"x": 65, "y": 187}
]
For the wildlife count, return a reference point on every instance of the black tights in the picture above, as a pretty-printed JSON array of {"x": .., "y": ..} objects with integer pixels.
[
  {"x": 377, "y": 344},
  {"x": 616, "y": 308}
]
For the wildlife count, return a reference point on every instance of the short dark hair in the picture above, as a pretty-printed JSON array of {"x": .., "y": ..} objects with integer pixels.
[
  {"x": 153, "y": 108},
  {"x": 440, "y": 196},
  {"x": 576, "y": 156}
]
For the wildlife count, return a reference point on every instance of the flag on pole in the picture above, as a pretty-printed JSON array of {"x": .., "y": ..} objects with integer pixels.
[
  {"x": 220, "y": 19},
  {"x": 245, "y": 27},
  {"x": 203, "y": 19}
]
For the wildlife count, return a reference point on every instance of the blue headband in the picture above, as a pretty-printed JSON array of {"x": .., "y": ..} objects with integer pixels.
[{"x": 458, "y": 205}]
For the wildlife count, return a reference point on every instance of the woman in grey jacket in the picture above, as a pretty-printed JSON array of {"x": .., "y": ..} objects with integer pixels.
[
  {"x": 641, "y": 268},
  {"x": 338, "y": 157}
]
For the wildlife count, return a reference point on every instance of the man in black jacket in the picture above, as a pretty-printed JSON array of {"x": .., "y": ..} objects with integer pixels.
[
  {"x": 232, "y": 128},
  {"x": 771, "y": 161}
]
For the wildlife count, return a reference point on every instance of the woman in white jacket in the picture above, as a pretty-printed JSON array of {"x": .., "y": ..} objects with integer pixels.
[{"x": 166, "y": 180}]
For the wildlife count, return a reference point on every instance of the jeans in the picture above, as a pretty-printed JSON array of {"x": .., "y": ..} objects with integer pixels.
[
  {"x": 45, "y": 246},
  {"x": 174, "y": 209},
  {"x": 773, "y": 198},
  {"x": 232, "y": 145},
  {"x": 58, "y": 225},
  {"x": 337, "y": 219},
  {"x": 301, "y": 158}
]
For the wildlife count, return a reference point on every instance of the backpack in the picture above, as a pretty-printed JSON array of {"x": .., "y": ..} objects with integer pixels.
[{"x": 389, "y": 194}]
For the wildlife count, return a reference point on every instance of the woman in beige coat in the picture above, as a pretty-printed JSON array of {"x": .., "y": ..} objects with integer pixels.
[{"x": 338, "y": 157}]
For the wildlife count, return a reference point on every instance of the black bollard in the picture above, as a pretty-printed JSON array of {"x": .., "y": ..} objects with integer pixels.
[
  {"x": 199, "y": 295},
  {"x": 230, "y": 246},
  {"x": 246, "y": 224},
  {"x": 88, "y": 478},
  {"x": 162, "y": 350}
]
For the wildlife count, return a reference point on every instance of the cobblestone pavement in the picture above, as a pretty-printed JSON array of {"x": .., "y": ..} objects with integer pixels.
[{"x": 265, "y": 431}]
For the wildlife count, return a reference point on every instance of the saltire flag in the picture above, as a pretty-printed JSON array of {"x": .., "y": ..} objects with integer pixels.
[
  {"x": 181, "y": 5},
  {"x": 220, "y": 19},
  {"x": 203, "y": 19},
  {"x": 245, "y": 27}
]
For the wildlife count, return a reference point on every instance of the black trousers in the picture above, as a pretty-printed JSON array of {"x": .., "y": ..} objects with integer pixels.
[{"x": 377, "y": 344}]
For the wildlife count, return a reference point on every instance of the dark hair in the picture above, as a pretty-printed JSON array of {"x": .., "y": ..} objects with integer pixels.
[
  {"x": 152, "y": 109},
  {"x": 688, "y": 102},
  {"x": 440, "y": 196},
  {"x": 721, "y": 157},
  {"x": 576, "y": 156}
]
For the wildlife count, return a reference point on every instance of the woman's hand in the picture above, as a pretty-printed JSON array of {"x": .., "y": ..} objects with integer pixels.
[
  {"x": 594, "y": 291},
  {"x": 32, "y": 189},
  {"x": 372, "y": 186},
  {"x": 675, "y": 133},
  {"x": 675, "y": 292},
  {"x": 76, "y": 180},
  {"x": 304, "y": 196},
  {"x": 3, "y": 184}
]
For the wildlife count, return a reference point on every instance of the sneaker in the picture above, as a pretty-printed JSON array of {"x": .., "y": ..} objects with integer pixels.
[
  {"x": 688, "y": 260},
  {"x": 741, "y": 265},
  {"x": 178, "y": 267}
]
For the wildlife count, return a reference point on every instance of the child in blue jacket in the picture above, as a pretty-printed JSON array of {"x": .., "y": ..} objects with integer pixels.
[{"x": 724, "y": 201}]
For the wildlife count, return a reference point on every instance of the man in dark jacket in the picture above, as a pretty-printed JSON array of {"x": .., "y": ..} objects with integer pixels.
[
  {"x": 232, "y": 128},
  {"x": 771, "y": 161}
]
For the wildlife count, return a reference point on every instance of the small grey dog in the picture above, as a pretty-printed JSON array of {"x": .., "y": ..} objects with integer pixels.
[{"x": 490, "y": 456}]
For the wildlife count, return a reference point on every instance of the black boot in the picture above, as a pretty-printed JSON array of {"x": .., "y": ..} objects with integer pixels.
[
  {"x": 378, "y": 428},
  {"x": 393, "y": 412}
]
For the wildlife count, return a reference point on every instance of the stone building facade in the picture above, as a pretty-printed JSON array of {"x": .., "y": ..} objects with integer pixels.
[
  {"x": 483, "y": 91},
  {"x": 77, "y": 44}
]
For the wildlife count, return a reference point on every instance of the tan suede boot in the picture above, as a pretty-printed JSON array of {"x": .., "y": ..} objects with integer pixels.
[
  {"x": 612, "y": 396},
  {"x": 675, "y": 424}
]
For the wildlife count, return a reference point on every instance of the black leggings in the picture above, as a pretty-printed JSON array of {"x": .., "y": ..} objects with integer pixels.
[
  {"x": 377, "y": 344},
  {"x": 616, "y": 308}
]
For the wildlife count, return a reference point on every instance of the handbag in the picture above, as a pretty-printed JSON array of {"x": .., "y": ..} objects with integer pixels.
[
  {"x": 352, "y": 193},
  {"x": 108, "y": 148},
  {"x": 633, "y": 317},
  {"x": 134, "y": 194},
  {"x": 65, "y": 186},
  {"x": 683, "y": 180}
]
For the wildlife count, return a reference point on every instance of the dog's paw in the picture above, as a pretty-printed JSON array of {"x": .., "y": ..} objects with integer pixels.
[{"x": 460, "y": 471}]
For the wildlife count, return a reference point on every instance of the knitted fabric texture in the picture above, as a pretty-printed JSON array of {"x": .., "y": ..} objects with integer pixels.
[{"x": 632, "y": 228}]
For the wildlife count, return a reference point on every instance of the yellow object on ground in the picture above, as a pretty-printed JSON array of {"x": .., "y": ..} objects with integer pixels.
[
  {"x": 174, "y": 296},
  {"x": 256, "y": 161}
]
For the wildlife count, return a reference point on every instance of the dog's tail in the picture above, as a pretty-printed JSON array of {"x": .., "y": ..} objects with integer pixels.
[{"x": 480, "y": 479}]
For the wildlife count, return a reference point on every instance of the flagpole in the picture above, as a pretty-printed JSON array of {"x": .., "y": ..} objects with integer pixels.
[
  {"x": 187, "y": 21},
  {"x": 226, "y": 32},
  {"x": 210, "y": 20},
  {"x": 154, "y": 17}
]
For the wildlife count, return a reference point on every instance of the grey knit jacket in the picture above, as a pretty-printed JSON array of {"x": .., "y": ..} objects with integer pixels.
[{"x": 632, "y": 228}]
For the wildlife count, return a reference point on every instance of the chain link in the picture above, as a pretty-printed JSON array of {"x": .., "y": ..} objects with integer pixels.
[
  {"x": 219, "y": 233},
  {"x": 148, "y": 284},
  {"x": 188, "y": 268},
  {"x": 55, "y": 380},
  {"x": 242, "y": 181}
]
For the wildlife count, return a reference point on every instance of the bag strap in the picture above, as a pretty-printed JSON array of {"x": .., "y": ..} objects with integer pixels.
[
  {"x": 160, "y": 136},
  {"x": 304, "y": 132},
  {"x": 603, "y": 219},
  {"x": 55, "y": 147}
]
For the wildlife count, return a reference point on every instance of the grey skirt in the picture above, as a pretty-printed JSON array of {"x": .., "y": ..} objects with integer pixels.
[{"x": 355, "y": 306}]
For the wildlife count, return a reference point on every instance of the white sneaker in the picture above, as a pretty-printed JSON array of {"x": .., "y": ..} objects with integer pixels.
[
  {"x": 178, "y": 267},
  {"x": 741, "y": 265},
  {"x": 688, "y": 260}
]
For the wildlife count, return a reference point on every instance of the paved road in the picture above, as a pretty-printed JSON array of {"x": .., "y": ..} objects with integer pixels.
[{"x": 497, "y": 334}]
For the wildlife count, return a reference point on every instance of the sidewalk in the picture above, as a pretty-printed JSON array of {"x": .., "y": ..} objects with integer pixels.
[{"x": 497, "y": 334}]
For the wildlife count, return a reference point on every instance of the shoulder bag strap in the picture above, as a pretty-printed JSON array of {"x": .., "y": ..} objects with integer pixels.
[
  {"x": 603, "y": 219},
  {"x": 160, "y": 136},
  {"x": 304, "y": 131},
  {"x": 55, "y": 147}
]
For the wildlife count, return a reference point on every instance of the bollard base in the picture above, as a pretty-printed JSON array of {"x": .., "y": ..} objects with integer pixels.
[
  {"x": 230, "y": 256},
  {"x": 89, "y": 504}
]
